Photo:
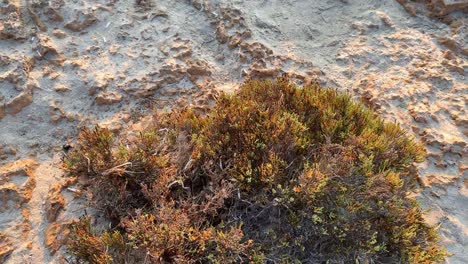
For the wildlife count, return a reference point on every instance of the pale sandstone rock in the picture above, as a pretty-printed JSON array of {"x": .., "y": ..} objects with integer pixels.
[
  {"x": 6, "y": 247},
  {"x": 56, "y": 235},
  {"x": 443, "y": 7},
  {"x": 221, "y": 33},
  {"x": 262, "y": 73},
  {"x": 182, "y": 48},
  {"x": 11, "y": 197},
  {"x": 55, "y": 202},
  {"x": 19, "y": 102},
  {"x": 108, "y": 98},
  {"x": 44, "y": 46},
  {"x": 59, "y": 33},
  {"x": 20, "y": 193},
  {"x": 11, "y": 26},
  {"x": 53, "y": 13},
  {"x": 17, "y": 182},
  {"x": 82, "y": 21},
  {"x": 6, "y": 151},
  {"x": 198, "y": 67},
  {"x": 61, "y": 88}
]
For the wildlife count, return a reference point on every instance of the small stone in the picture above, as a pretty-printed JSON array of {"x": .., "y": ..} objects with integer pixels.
[
  {"x": 108, "y": 98},
  {"x": 234, "y": 41},
  {"x": 17, "y": 104},
  {"x": 262, "y": 73},
  {"x": 44, "y": 45},
  {"x": 82, "y": 21},
  {"x": 61, "y": 88},
  {"x": 221, "y": 33},
  {"x": 54, "y": 14},
  {"x": 198, "y": 67},
  {"x": 59, "y": 33}
]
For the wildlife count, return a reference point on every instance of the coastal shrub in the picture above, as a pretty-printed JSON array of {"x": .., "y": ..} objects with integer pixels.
[{"x": 274, "y": 173}]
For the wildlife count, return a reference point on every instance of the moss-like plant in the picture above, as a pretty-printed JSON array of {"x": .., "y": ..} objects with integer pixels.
[{"x": 272, "y": 173}]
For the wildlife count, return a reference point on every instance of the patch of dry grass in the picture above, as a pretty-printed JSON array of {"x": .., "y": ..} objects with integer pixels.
[{"x": 274, "y": 173}]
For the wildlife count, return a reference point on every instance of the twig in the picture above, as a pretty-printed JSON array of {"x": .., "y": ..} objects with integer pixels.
[
  {"x": 89, "y": 164},
  {"x": 107, "y": 172}
]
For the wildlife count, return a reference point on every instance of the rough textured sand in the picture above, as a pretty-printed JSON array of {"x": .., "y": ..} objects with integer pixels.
[{"x": 71, "y": 63}]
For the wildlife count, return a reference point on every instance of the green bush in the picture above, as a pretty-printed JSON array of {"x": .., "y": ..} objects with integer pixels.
[{"x": 272, "y": 173}]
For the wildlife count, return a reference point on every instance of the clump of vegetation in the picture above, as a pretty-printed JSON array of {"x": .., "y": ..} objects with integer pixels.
[{"x": 274, "y": 173}]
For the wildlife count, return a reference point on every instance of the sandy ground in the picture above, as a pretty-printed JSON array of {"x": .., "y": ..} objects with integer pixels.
[{"x": 71, "y": 63}]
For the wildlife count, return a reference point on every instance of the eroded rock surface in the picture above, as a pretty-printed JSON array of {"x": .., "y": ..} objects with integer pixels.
[
  {"x": 11, "y": 24},
  {"x": 68, "y": 64}
]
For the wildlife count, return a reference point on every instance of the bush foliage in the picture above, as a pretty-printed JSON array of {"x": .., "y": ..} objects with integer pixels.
[{"x": 274, "y": 173}]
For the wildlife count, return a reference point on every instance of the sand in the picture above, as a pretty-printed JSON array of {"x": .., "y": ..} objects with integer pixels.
[{"x": 74, "y": 63}]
